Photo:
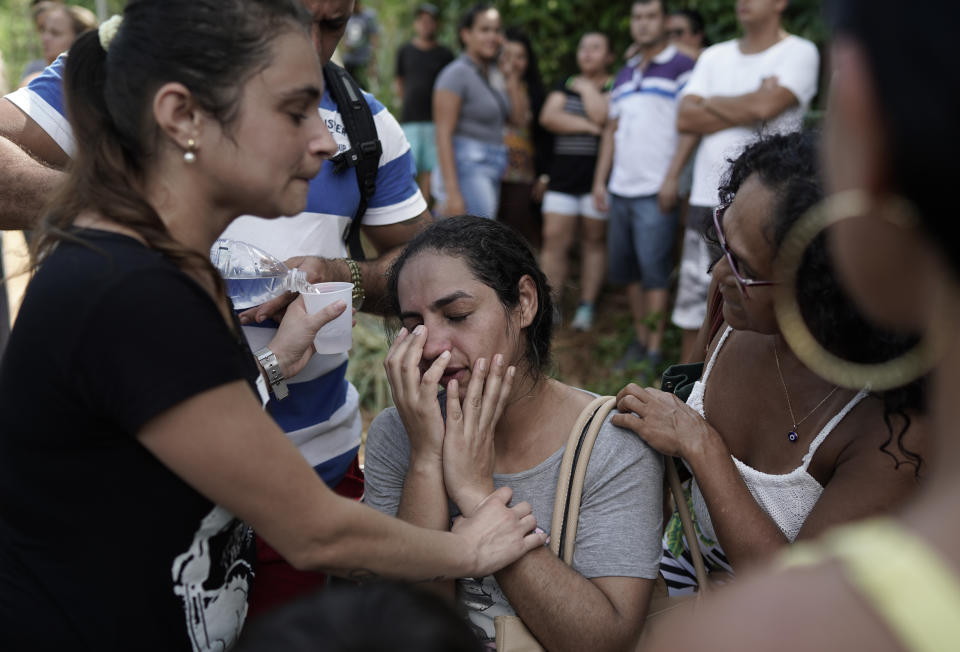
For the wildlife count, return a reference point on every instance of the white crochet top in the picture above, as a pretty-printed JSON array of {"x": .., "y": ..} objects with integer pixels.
[{"x": 787, "y": 498}]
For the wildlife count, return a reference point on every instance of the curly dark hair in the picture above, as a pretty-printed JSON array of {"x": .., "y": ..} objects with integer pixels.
[
  {"x": 787, "y": 164},
  {"x": 497, "y": 256}
]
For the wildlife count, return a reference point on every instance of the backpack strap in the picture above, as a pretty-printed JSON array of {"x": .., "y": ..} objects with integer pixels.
[{"x": 365, "y": 147}]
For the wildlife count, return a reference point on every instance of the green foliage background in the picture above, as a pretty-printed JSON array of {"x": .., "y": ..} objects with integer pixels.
[
  {"x": 555, "y": 26},
  {"x": 19, "y": 43}
]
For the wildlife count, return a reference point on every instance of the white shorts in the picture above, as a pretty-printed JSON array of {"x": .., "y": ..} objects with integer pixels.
[
  {"x": 564, "y": 204},
  {"x": 690, "y": 306}
]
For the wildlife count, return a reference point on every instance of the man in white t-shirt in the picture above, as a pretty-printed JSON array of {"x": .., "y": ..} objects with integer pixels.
[{"x": 761, "y": 82}]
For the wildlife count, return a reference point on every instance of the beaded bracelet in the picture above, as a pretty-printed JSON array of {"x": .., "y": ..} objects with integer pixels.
[{"x": 357, "y": 279}]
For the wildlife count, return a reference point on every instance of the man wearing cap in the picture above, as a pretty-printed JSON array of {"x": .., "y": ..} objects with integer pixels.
[{"x": 419, "y": 61}]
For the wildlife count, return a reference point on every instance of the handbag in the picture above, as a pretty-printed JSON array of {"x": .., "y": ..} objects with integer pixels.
[
  {"x": 511, "y": 634},
  {"x": 679, "y": 379}
]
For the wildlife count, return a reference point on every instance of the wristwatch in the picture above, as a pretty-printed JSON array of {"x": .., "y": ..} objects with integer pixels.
[{"x": 271, "y": 367}]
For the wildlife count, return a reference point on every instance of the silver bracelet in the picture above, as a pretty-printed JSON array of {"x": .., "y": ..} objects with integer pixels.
[{"x": 271, "y": 367}]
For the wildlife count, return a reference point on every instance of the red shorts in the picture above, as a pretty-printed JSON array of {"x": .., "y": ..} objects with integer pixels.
[{"x": 277, "y": 582}]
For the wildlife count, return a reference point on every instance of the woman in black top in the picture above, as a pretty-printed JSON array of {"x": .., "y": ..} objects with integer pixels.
[
  {"x": 133, "y": 446},
  {"x": 576, "y": 112}
]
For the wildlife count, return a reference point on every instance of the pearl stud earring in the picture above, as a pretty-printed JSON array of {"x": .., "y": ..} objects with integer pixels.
[{"x": 190, "y": 156}]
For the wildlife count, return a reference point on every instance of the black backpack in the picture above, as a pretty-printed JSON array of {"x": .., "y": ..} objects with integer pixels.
[{"x": 364, "y": 153}]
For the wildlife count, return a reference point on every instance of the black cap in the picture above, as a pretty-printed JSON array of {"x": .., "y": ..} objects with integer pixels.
[{"x": 427, "y": 8}]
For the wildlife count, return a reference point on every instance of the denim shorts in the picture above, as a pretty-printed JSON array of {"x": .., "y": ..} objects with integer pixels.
[
  {"x": 422, "y": 139},
  {"x": 480, "y": 167},
  {"x": 640, "y": 241}
]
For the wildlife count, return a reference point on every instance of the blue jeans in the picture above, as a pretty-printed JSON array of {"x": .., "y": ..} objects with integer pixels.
[
  {"x": 640, "y": 241},
  {"x": 480, "y": 166}
]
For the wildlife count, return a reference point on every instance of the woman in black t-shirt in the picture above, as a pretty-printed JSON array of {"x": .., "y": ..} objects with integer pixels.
[
  {"x": 576, "y": 112},
  {"x": 133, "y": 447}
]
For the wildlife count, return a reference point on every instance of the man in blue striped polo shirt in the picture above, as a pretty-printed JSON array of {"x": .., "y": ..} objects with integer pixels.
[{"x": 637, "y": 154}]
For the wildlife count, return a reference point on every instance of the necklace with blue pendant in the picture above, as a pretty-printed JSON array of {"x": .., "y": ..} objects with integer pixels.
[{"x": 793, "y": 436}]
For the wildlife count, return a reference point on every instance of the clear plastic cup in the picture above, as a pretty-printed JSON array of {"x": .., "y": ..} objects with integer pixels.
[{"x": 335, "y": 336}]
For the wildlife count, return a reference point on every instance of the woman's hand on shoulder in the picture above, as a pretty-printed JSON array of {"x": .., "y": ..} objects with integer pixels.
[
  {"x": 293, "y": 343},
  {"x": 499, "y": 534},
  {"x": 415, "y": 393},
  {"x": 468, "y": 447},
  {"x": 663, "y": 421}
]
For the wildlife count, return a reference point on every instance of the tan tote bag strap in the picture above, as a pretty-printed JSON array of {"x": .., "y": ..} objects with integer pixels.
[
  {"x": 673, "y": 479},
  {"x": 573, "y": 469},
  {"x": 511, "y": 633},
  {"x": 566, "y": 469}
]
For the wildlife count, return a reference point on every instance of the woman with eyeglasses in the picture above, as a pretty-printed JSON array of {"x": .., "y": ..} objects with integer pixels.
[
  {"x": 888, "y": 584},
  {"x": 776, "y": 452}
]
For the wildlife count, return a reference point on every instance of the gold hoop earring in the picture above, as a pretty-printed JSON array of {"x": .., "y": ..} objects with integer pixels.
[
  {"x": 190, "y": 156},
  {"x": 854, "y": 375}
]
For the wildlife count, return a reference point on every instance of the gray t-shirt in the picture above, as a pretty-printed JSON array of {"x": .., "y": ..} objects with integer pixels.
[
  {"x": 620, "y": 516},
  {"x": 484, "y": 104}
]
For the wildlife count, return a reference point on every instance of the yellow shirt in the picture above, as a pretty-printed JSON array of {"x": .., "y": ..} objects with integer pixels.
[{"x": 908, "y": 583}]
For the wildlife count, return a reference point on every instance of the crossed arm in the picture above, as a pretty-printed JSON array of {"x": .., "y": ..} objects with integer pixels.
[
  {"x": 706, "y": 115},
  {"x": 555, "y": 119}
]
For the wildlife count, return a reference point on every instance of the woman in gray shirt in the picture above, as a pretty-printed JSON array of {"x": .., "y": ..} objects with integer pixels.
[
  {"x": 472, "y": 101},
  {"x": 477, "y": 318}
]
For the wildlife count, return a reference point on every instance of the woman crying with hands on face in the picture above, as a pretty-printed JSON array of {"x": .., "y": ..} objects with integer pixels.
[{"x": 476, "y": 318}]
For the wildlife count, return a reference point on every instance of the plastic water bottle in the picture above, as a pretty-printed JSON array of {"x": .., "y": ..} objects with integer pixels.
[{"x": 252, "y": 275}]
